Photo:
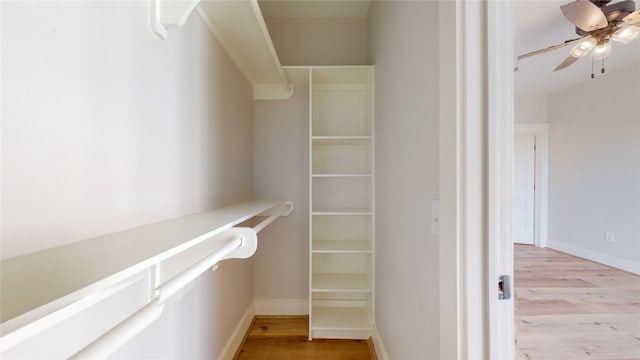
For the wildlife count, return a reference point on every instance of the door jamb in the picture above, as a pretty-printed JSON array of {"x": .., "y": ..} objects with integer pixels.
[
  {"x": 499, "y": 157},
  {"x": 461, "y": 269},
  {"x": 476, "y": 146}
]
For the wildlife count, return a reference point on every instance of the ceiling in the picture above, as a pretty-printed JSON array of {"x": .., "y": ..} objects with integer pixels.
[
  {"x": 315, "y": 8},
  {"x": 537, "y": 23}
]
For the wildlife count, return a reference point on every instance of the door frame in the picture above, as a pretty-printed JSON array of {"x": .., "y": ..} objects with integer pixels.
[
  {"x": 475, "y": 173},
  {"x": 540, "y": 132}
]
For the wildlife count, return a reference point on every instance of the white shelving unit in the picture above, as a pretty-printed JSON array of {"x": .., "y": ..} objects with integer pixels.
[
  {"x": 39, "y": 290},
  {"x": 242, "y": 32},
  {"x": 342, "y": 241}
]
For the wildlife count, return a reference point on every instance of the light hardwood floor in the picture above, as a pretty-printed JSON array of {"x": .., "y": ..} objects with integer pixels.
[
  {"x": 286, "y": 338},
  {"x": 570, "y": 308}
]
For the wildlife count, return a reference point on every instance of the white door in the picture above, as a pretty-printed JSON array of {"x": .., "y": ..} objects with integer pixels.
[{"x": 524, "y": 189}]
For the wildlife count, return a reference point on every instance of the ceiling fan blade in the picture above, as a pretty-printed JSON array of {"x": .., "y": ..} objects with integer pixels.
[
  {"x": 550, "y": 48},
  {"x": 633, "y": 18},
  {"x": 584, "y": 15},
  {"x": 566, "y": 63}
]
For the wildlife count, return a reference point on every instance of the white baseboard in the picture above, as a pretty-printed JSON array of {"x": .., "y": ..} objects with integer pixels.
[
  {"x": 282, "y": 307},
  {"x": 381, "y": 351},
  {"x": 237, "y": 336},
  {"x": 616, "y": 262}
]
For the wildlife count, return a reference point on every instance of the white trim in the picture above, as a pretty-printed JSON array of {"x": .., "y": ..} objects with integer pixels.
[
  {"x": 541, "y": 135},
  {"x": 476, "y": 148},
  {"x": 499, "y": 147},
  {"x": 463, "y": 115},
  {"x": 310, "y": 184},
  {"x": 282, "y": 307},
  {"x": 381, "y": 351},
  {"x": 235, "y": 340},
  {"x": 613, "y": 261}
]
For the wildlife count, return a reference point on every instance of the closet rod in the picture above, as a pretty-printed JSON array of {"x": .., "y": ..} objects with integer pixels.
[
  {"x": 175, "y": 284},
  {"x": 115, "y": 338},
  {"x": 242, "y": 244}
]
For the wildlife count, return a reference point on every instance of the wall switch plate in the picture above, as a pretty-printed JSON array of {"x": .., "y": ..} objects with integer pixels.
[
  {"x": 609, "y": 237},
  {"x": 435, "y": 217}
]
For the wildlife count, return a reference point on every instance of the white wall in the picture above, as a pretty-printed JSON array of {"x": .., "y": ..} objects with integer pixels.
[
  {"x": 281, "y": 168},
  {"x": 319, "y": 41},
  {"x": 530, "y": 108},
  {"x": 403, "y": 43},
  {"x": 281, "y": 151},
  {"x": 104, "y": 128},
  {"x": 594, "y": 168}
]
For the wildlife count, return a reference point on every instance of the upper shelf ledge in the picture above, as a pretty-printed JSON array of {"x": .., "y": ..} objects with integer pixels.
[
  {"x": 40, "y": 288},
  {"x": 242, "y": 32}
]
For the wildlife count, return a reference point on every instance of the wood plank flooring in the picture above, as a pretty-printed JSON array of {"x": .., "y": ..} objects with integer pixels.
[
  {"x": 286, "y": 338},
  {"x": 570, "y": 308}
]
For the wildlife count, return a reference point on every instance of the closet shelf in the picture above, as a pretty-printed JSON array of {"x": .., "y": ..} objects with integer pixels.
[
  {"x": 340, "y": 211},
  {"x": 341, "y": 246},
  {"x": 242, "y": 32},
  {"x": 340, "y": 318},
  {"x": 331, "y": 140},
  {"x": 342, "y": 175},
  {"x": 340, "y": 283},
  {"x": 39, "y": 287}
]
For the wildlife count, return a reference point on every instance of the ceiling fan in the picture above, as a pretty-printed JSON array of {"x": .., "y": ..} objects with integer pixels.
[{"x": 596, "y": 22}]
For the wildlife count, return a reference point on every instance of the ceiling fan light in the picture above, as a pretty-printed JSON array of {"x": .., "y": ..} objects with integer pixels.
[
  {"x": 626, "y": 34},
  {"x": 602, "y": 51},
  {"x": 583, "y": 47}
]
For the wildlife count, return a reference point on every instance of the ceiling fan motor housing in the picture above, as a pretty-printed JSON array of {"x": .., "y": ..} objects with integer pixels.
[
  {"x": 600, "y": 3},
  {"x": 614, "y": 14}
]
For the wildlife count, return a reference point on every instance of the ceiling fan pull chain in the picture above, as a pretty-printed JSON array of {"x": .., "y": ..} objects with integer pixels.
[
  {"x": 592, "y": 74},
  {"x": 602, "y": 70}
]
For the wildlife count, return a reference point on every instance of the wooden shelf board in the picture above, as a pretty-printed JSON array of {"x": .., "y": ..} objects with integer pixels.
[
  {"x": 67, "y": 273},
  {"x": 340, "y": 282},
  {"x": 341, "y": 246}
]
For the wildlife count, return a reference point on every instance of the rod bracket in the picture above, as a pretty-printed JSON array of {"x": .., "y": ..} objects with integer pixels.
[{"x": 165, "y": 13}]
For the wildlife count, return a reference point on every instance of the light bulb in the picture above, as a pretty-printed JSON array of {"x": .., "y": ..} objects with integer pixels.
[
  {"x": 626, "y": 34},
  {"x": 602, "y": 51},
  {"x": 583, "y": 47}
]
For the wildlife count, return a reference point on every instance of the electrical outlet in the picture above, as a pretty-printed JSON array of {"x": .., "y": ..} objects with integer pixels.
[{"x": 609, "y": 237}]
